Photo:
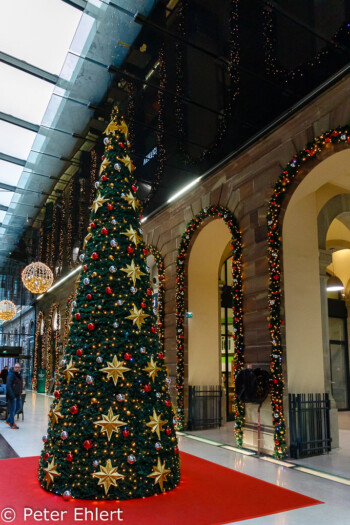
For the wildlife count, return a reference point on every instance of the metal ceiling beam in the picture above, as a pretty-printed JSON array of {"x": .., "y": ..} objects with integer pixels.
[
  {"x": 13, "y": 160},
  {"x": 78, "y": 4},
  {"x": 19, "y": 122},
  {"x": 28, "y": 68},
  {"x": 3, "y": 208},
  {"x": 7, "y": 187}
]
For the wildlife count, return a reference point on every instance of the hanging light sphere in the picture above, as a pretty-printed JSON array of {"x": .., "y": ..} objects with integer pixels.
[
  {"x": 37, "y": 277},
  {"x": 7, "y": 310}
]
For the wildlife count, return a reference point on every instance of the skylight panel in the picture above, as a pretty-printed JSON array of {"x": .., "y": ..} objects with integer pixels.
[
  {"x": 2, "y": 215},
  {"x": 10, "y": 173},
  {"x": 15, "y": 141},
  {"x": 6, "y": 197},
  {"x": 23, "y": 95},
  {"x": 42, "y": 34}
]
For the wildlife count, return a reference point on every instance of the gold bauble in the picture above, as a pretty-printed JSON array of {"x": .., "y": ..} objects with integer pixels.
[
  {"x": 37, "y": 277},
  {"x": 7, "y": 310}
]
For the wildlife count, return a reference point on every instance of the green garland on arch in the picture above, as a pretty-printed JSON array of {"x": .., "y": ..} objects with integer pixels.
[
  {"x": 152, "y": 250},
  {"x": 238, "y": 361},
  {"x": 335, "y": 136}
]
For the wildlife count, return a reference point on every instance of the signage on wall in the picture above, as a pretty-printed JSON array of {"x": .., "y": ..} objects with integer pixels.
[{"x": 150, "y": 155}]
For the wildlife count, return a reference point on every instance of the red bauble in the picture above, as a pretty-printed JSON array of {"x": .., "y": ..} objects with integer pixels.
[
  {"x": 79, "y": 352},
  {"x": 95, "y": 256},
  {"x": 104, "y": 231},
  {"x": 160, "y": 355},
  {"x": 77, "y": 316},
  {"x": 57, "y": 394},
  {"x": 145, "y": 251},
  {"x": 91, "y": 326},
  {"x": 87, "y": 444},
  {"x": 143, "y": 305},
  {"x": 69, "y": 457},
  {"x": 154, "y": 329},
  {"x": 134, "y": 188},
  {"x": 168, "y": 403},
  {"x": 74, "y": 409},
  {"x": 110, "y": 207},
  {"x": 109, "y": 290},
  {"x": 168, "y": 431},
  {"x": 103, "y": 157},
  {"x": 92, "y": 225},
  {"x": 89, "y": 296},
  {"x": 149, "y": 291},
  {"x": 104, "y": 178},
  {"x": 126, "y": 433},
  {"x": 127, "y": 356},
  {"x": 121, "y": 145},
  {"x": 46, "y": 457},
  {"x": 176, "y": 450},
  {"x": 130, "y": 249},
  {"x": 147, "y": 388},
  {"x": 84, "y": 267}
]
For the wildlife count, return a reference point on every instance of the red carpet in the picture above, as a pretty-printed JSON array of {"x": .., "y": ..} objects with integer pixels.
[{"x": 208, "y": 495}]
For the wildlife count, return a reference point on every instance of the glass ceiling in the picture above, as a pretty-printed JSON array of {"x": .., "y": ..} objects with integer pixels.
[
  {"x": 10, "y": 173},
  {"x": 15, "y": 141}
]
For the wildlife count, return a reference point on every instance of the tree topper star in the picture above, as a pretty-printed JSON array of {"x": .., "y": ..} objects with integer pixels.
[
  {"x": 131, "y": 200},
  {"x": 137, "y": 316},
  {"x": 109, "y": 423},
  {"x": 70, "y": 370},
  {"x": 131, "y": 234},
  {"x": 159, "y": 474},
  {"x": 115, "y": 369},
  {"x": 152, "y": 369},
  {"x": 132, "y": 271},
  {"x": 51, "y": 472},
  {"x": 108, "y": 476},
  {"x": 127, "y": 162},
  {"x": 98, "y": 202},
  {"x": 155, "y": 423}
]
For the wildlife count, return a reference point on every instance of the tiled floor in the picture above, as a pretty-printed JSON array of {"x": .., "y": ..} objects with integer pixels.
[{"x": 27, "y": 442}]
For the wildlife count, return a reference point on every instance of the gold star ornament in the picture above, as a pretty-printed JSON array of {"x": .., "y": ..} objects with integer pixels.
[
  {"x": 87, "y": 238},
  {"x": 108, "y": 476},
  {"x": 109, "y": 423},
  {"x": 155, "y": 423},
  {"x": 56, "y": 414},
  {"x": 98, "y": 202},
  {"x": 127, "y": 162},
  {"x": 137, "y": 316},
  {"x": 159, "y": 474},
  {"x": 70, "y": 370},
  {"x": 51, "y": 472},
  {"x": 131, "y": 200},
  {"x": 152, "y": 369},
  {"x": 115, "y": 369},
  {"x": 132, "y": 271},
  {"x": 105, "y": 163},
  {"x": 131, "y": 234}
]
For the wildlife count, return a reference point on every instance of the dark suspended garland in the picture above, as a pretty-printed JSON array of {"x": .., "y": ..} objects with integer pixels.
[
  {"x": 130, "y": 114},
  {"x": 69, "y": 238},
  {"x": 152, "y": 250},
  {"x": 231, "y": 71},
  {"x": 62, "y": 236},
  {"x": 39, "y": 320},
  {"x": 336, "y": 136},
  {"x": 161, "y": 149},
  {"x": 47, "y": 343},
  {"x": 276, "y": 69},
  {"x": 68, "y": 318},
  {"x": 238, "y": 338}
]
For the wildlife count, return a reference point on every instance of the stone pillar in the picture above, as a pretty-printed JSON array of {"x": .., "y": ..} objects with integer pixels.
[{"x": 325, "y": 257}]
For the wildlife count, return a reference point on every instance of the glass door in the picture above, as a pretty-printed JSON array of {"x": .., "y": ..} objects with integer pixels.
[
  {"x": 227, "y": 344},
  {"x": 339, "y": 362}
]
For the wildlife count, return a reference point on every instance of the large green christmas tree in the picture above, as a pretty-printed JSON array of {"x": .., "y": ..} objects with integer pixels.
[{"x": 111, "y": 433}]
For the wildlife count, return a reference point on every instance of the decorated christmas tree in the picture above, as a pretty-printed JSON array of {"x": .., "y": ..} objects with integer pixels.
[{"x": 111, "y": 433}]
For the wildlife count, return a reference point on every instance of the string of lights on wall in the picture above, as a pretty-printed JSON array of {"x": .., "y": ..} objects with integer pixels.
[
  {"x": 130, "y": 114},
  {"x": 274, "y": 67},
  {"x": 48, "y": 351},
  {"x": 39, "y": 320},
  {"x": 231, "y": 72},
  {"x": 69, "y": 226},
  {"x": 68, "y": 318},
  {"x": 214, "y": 212},
  {"x": 62, "y": 237},
  {"x": 152, "y": 250},
  {"x": 336, "y": 136}
]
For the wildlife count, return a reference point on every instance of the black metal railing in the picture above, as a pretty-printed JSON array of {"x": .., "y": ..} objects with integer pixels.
[
  {"x": 204, "y": 407},
  {"x": 310, "y": 433}
]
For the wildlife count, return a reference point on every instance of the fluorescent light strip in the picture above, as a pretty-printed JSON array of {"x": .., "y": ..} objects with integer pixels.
[
  {"x": 277, "y": 461},
  {"x": 144, "y": 219},
  {"x": 239, "y": 450},
  {"x": 184, "y": 189},
  {"x": 323, "y": 475},
  {"x": 77, "y": 269}
]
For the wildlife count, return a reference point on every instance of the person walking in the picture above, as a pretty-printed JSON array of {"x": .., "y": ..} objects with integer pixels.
[
  {"x": 4, "y": 374},
  {"x": 14, "y": 386}
]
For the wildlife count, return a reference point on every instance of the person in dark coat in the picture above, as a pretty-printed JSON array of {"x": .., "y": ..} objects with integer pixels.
[
  {"x": 14, "y": 386},
  {"x": 4, "y": 374}
]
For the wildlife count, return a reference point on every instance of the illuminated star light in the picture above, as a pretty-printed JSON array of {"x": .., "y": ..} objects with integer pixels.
[
  {"x": 51, "y": 472},
  {"x": 115, "y": 369},
  {"x": 70, "y": 370},
  {"x": 132, "y": 271},
  {"x": 109, "y": 423},
  {"x": 155, "y": 423},
  {"x": 131, "y": 234},
  {"x": 137, "y": 316},
  {"x": 159, "y": 474},
  {"x": 98, "y": 202},
  {"x": 152, "y": 369},
  {"x": 108, "y": 476}
]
